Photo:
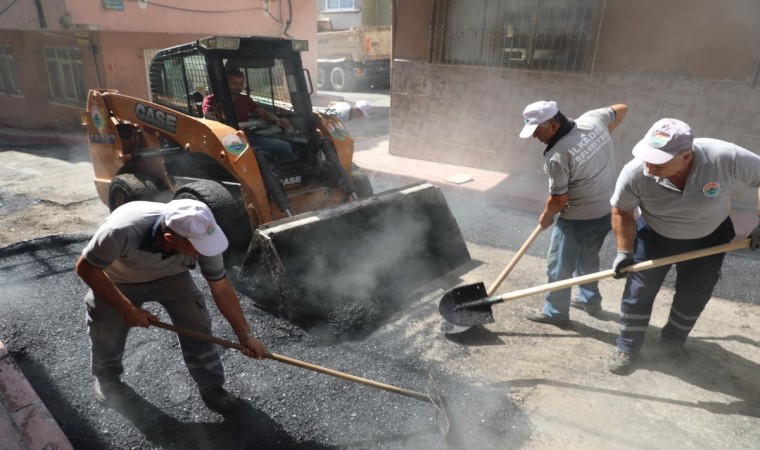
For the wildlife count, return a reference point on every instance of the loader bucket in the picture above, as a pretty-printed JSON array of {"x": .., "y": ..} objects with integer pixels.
[{"x": 352, "y": 265}]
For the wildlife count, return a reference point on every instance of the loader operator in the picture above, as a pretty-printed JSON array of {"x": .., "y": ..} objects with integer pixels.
[
  {"x": 245, "y": 108},
  {"x": 143, "y": 252},
  {"x": 682, "y": 188},
  {"x": 580, "y": 164}
]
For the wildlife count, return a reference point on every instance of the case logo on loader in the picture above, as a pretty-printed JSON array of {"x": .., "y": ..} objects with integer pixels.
[
  {"x": 290, "y": 180},
  {"x": 157, "y": 118}
]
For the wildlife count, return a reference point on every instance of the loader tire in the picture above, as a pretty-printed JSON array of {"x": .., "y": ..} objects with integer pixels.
[
  {"x": 128, "y": 187},
  {"x": 323, "y": 79},
  {"x": 228, "y": 212},
  {"x": 362, "y": 184},
  {"x": 341, "y": 80}
]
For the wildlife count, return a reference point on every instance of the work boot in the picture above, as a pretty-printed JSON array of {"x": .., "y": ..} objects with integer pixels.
[
  {"x": 110, "y": 390},
  {"x": 221, "y": 401},
  {"x": 590, "y": 309},
  {"x": 620, "y": 363},
  {"x": 540, "y": 317}
]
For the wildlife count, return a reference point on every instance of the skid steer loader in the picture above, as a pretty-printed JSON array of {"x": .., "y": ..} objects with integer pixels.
[{"x": 308, "y": 239}]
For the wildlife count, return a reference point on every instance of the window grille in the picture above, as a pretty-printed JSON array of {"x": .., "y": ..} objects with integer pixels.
[
  {"x": 8, "y": 78},
  {"x": 64, "y": 68},
  {"x": 551, "y": 35}
]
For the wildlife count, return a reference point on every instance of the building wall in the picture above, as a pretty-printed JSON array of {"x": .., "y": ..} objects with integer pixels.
[
  {"x": 119, "y": 38},
  {"x": 663, "y": 59}
]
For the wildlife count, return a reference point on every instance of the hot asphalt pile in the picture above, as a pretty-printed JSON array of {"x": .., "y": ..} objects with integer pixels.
[{"x": 43, "y": 326}]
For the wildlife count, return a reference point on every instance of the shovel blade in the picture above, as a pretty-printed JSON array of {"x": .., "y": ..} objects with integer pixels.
[{"x": 471, "y": 315}]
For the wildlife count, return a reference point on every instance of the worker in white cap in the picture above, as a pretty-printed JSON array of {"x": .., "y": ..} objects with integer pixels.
[
  {"x": 681, "y": 186},
  {"x": 143, "y": 252},
  {"x": 346, "y": 111},
  {"x": 580, "y": 164}
]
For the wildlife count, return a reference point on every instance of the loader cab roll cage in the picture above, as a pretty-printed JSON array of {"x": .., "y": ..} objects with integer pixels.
[{"x": 182, "y": 77}]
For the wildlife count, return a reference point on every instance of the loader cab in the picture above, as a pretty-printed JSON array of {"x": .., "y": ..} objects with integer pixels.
[{"x": 187, "y": 77}]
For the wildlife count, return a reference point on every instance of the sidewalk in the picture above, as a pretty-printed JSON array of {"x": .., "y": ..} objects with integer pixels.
[{"x": 25, "y": 422}]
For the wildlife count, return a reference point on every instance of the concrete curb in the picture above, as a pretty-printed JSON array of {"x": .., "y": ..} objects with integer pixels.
[{"x": 25, "y": 422}]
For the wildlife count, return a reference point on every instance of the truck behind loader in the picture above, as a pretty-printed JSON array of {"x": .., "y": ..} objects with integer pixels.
[{"x": 308, "y": 239}]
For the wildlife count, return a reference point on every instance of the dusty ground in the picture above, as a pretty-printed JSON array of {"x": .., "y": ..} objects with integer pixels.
[{"x": 556, "y": 376}]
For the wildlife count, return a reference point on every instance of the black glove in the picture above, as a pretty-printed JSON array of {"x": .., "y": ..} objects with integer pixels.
[
  {"x": 754, "y": 237},
  {"x": 625, "y": 259}
]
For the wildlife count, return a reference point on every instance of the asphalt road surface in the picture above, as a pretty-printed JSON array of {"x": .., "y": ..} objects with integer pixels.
[{"x": 286, "y": 407}]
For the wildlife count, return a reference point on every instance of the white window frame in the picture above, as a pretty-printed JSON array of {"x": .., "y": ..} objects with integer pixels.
[
  {"x": 8, "y": 74},
  {"x": 339, "y": 8},
  {"x": 65, "y": 74}
]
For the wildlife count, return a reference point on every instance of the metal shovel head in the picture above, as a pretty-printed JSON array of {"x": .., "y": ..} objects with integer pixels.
[{"x": 470, "y": 316}]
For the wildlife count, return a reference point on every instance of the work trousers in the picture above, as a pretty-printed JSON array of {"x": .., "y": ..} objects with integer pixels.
[
  {"x": 574, "y": 251},
  {"x": 186, "y": 307},
  {"x": 277, "y": 149},
  {"x": 695, "y": 281}
]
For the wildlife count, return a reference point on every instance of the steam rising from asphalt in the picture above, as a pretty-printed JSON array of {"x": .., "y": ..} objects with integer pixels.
[{"x": 354, "y": 266}]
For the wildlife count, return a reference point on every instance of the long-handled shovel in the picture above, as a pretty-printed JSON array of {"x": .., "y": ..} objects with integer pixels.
[
  {"x": 465, "y": 308},
  {"x": 476, "y": 290},
  {"x": 430, "y": 396}
]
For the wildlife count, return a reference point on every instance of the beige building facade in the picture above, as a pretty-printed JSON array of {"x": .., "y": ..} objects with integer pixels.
[
  {"x": 52, "y": 52},
  {"x": 464, "y": 70}
]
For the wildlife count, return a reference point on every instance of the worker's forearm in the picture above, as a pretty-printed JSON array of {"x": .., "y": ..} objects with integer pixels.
[
  {"x": 104, "y": 287},
  {"x": 266, "y": 116},
  {"x": 620, "y": 111},
  {"x": 624, "y": 228},
  {"x": 226, "y": 300},
  {"x": 554, "y": 205}
]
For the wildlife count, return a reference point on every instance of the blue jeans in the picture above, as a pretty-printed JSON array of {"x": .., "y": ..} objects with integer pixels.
[
  {"x": 695, "y": 281},
  {"x": 277, "y": 149},
  {"x": 574, "y": 251}
]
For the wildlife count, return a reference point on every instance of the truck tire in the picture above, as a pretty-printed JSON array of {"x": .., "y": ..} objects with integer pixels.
[
  {"x": 228, "y": 212},
  {"x": 128, "y": 187},
  {"x": 323, "y": 81},
  {"x": 341, "y": 80},
  {"x": 361, "y": 182}
]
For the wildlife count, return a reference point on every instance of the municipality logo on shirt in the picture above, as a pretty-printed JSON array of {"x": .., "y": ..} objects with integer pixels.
[{"x": 711, "y": 189}]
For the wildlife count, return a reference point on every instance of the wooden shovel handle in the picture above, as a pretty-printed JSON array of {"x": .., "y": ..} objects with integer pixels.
[
  {"x": 651, "y": 264},
  {"x": 500, "y": 279},
  {"x": 294, "y": 362}
]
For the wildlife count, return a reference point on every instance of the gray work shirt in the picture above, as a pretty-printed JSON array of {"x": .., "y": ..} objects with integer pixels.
[
  {"x": 582, "y": 164},
  {"x": 705, "y": 201},
  {"x": 124, "y": 246}
]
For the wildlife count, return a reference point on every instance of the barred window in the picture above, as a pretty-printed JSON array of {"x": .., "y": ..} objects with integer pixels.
[
  {"x": 64, "y": 68},
  {"x": 8, "y": 78},
  {"x": 552, "y": 35}
]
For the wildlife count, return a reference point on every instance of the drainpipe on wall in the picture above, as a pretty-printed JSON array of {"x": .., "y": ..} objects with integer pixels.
[
  {"x": 755, "y": 75},
  {"x": 94, "y": 51},
  {"x": 598, "y": 34}
]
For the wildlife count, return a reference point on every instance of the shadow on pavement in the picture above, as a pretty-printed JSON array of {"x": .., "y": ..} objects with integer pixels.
[{"x": 248, "y": 428}]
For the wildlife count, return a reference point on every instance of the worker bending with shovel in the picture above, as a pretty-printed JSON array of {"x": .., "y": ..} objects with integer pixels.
[
  {"x": 580, "y": 164},
  {"x": 682, "y": 188},
  {"x": 144, "y": 252}
]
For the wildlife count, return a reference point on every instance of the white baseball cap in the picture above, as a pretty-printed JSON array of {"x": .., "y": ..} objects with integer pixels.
[
  {"x": 666, "y": 139},
  {"x": 535, "y": 114},
  {"x": 364, "y": 107},
  {"x": 194, "y": 221}
]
